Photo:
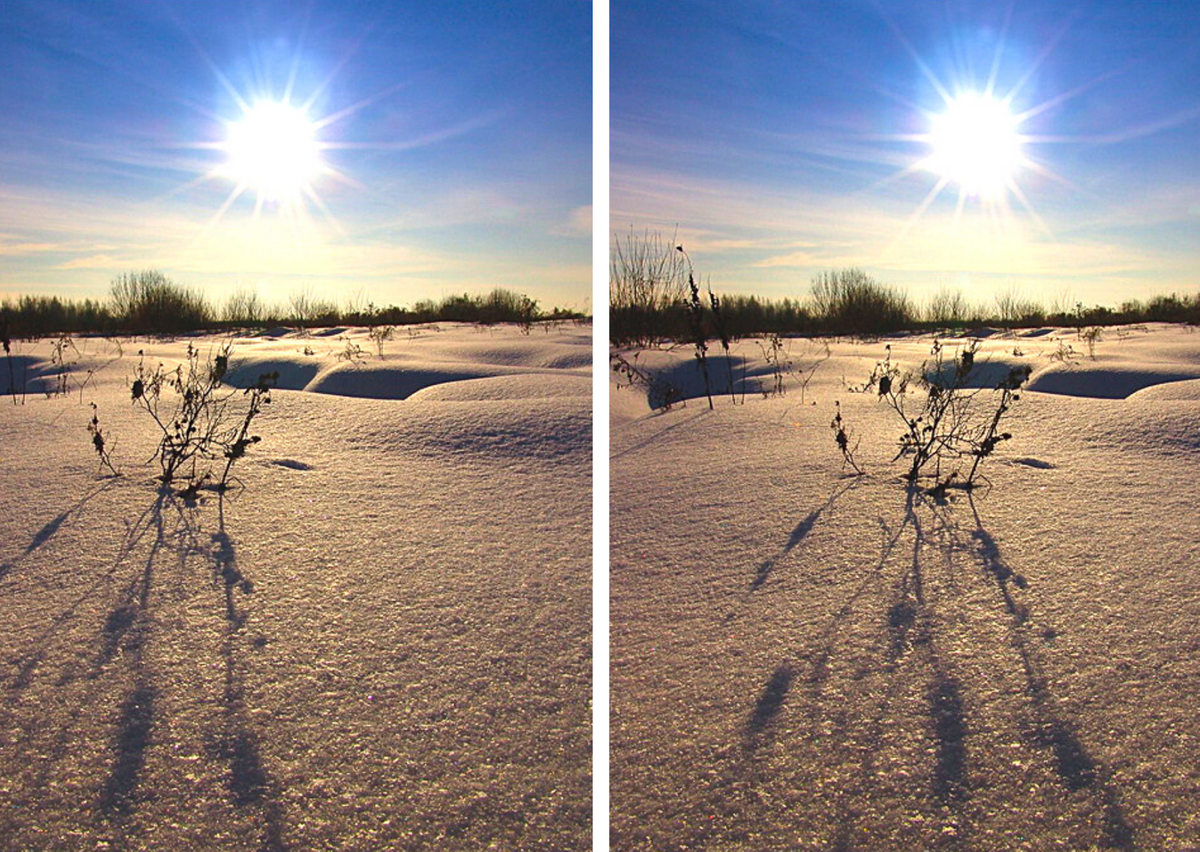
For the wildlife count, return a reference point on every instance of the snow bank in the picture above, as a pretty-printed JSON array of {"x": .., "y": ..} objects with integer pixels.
[
  {"x": 380, "y": 641},
  {"x": 802, "y": 658}
]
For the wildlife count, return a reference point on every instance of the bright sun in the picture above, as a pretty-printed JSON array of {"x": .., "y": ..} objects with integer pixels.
[
  {"x": 976, "y": 145},
  {"x": 272, "y": 150}
]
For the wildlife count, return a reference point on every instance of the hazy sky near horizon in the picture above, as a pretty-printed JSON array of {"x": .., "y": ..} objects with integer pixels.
[
  {"x": 452, "y": 147},
  {"x": 787, "y": 138}
]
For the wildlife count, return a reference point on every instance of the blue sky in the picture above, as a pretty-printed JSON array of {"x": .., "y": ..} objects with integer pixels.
[
  {"x": 785, "y": 138},
  {"x": 458, "y": 156}
]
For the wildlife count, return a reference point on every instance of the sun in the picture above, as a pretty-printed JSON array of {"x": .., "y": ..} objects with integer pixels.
[
  {"x": 976, "y": 145},
  {"x": 273, "y": 151}
]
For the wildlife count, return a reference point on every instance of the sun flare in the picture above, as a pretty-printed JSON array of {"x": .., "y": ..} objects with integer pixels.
[
  {"x": 273, "y": 151},
  {"x": 976, "y": 145}
]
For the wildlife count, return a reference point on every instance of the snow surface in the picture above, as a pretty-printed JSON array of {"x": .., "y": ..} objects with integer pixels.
[
  {"x": 381, "y": 642},
  {"x": 805, "y": 659}
]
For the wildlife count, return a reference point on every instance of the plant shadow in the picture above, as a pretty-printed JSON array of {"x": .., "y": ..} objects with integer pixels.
[
  {"x": 941, "y": 527},
  {"x": 170, "y": 532},
  {"x": 798, "y": 535}
]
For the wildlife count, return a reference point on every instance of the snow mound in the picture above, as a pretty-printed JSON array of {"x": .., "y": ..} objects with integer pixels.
[
  {"x": 1184, "y": 389},
  {"x": 545, "y": 429},
  {"x": 527, "y": 386},
  {"x": 295, "y": 372},
  {"x": 533, "y": 352},
  {"x": 391, "y": 608},
  {"x": 1105, "y": 380},
  {"x": 346, "y": 362},
  {"x": 384, "y": 380}
]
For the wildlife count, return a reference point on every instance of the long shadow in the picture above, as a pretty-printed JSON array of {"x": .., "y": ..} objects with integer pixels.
[
  {"x": 129, "y": 628},
  {"x": 151, "y": 517},
  {"x": 52, "y": 527},
  {"x": 124, "y": 636},
  {"x": 1075, "y": 766},
  {"x": 133, "y": 736},
  {"x": 770, "y": 701},
  {"x": 126, "y": 628},
  {"x": 249, "y": 782},
  {"x": 657, "y": 435},
  {"x": 798, "y": 534},
  {"x": 909, "y": 637}
]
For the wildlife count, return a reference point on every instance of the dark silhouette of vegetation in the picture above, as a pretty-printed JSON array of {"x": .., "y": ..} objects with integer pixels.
[
  {"x": 649, "y": 304},
  {"x": 148, "y": 302},
  {"x": 195, "y": 422},
  {"x": 849, "y": 299},
  {"x": 646, "y": 290},
  {"x": 842, "y": 435},
  {"x": 698, "y": 336},
  {"x": 945, "y": 425},
  {"x": 100, "y": 442}
]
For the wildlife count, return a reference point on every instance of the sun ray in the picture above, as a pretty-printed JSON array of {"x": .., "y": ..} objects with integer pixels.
[
  {"x": 365, "y": 102},
  {"x": 990, "y": 89},
  {"x": 917, "y": 214},
  {"x": 258, "y": 206},
  {"x": 316, "y": 200},
  {"x": 295, "y": 69},
  {"x": 1055, "y": 38},
  {"x": 216, "y": 217},
  {"x": 211, "y": 174},
  {"x": 346, "y": 57},
  {"x": 1015, "y": 189},
  {"x": 912, "y": 52},
  {"x": 1049, "y": 103},
  {"x": 1043, "y": 171},
  {"x": 894, "y": 177},
  {"x": 345, "y": 179}
]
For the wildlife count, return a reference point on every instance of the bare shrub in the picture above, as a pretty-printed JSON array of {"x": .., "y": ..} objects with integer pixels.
[
  {"x": 660, "y": 393},
  {"x": 148, "y": 301},
  {"x": 848, "y": 301},
  {"x": 243, "y": 307},
  {"x": 196, "y": 420},
  {"x": 379, "y": 334},
  {"x": 954, "y": 421},
  {"x": 841, "y": 435},
  {"x": 646, "y": 289}
]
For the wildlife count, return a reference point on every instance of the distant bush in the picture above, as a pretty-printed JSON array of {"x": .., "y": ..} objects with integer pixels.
[
  {"x": 849, "y": 301},
  {"x": 1173, "y": 308},
  {"x": 1013, "y": 309},
  {"x": 647, "y": 290},
  {"x": 42, "y": 316},
  {"x": 749, "y": 315},
  {"x": 649, "y": 305},
  {"x": 950, "y": 309},
  {"x": 148, "y": 301},
  {"x": 243, "y": 307},
  {"x": 308, "y": 310}
]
